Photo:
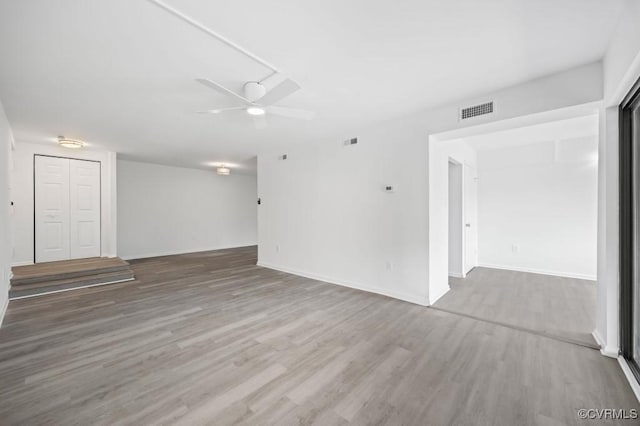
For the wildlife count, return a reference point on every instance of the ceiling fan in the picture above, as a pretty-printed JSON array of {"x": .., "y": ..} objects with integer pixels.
[{"x": 257, "y": 101}]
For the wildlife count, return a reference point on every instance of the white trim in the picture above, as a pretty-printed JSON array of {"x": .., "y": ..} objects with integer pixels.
[
  {"x": 456, "y": 275},
  {"x": 411, "y": 298},
  {"x": 539, "y": 271},
  {"x": 608, "y": 351},
  {"x": 3, "y": 311},
  {"x": 635, "y": 386},
  {"x": 185, "y": 251},
  {"x": 72, "y": 288},
  {"x": 596, "y": 336},
  {"x": 436, "y": 298}
]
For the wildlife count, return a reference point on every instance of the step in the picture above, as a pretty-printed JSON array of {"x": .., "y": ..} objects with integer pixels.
[
  {"x": 35, "y": 289},
  {"x": 53, "y": 271}
]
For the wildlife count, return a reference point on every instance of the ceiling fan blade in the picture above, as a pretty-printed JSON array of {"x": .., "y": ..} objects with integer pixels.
[
  {"x": 281, "y": 91},
  {"x": 260, "y": 121},
  {"x": 219, "y": 110},
  {"x": 221, "y": 89},
  {"x": 300, "y": 114}
]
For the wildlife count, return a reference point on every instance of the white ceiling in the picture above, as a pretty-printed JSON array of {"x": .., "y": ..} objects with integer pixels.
[{"x": 120, "y": 73}]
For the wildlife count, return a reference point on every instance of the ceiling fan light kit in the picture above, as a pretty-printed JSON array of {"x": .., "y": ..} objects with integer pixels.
[
  {"x": 256, "y": 99},
  {"x": 255, "y": 111}
]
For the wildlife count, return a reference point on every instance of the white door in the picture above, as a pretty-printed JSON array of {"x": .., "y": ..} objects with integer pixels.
[
  {"x": 470, "y": 218},
  {"x": 67, "y": 209},
  {"x": 84, "y": 214},
  {"x": 51, "y": 208}
]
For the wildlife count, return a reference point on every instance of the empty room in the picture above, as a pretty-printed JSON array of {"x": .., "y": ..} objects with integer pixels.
[
  {"x": 328, "y": 213},
  {"x": 523, "y": 228}
]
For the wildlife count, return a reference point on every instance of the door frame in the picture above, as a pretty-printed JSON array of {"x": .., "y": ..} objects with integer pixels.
[
  {"x": 629, "y": 191},
  {"x": 465, "y": 201},
  {"x": 461, "y": 273},
  {"x": 464, "y": 174},
  {"x": 34, "y": 197}
]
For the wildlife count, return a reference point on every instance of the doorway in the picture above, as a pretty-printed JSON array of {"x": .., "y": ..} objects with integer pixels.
[
  {"x": 529, "y": 201},
  {"x": 470, "y": 218},
  {"x": 463, "y": 218},
  {"x": 456, "y": 230},
  {"x": 66, "y": 208}
]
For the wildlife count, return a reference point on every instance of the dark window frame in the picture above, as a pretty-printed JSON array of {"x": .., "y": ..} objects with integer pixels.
[{"x": 628, "y": 193}]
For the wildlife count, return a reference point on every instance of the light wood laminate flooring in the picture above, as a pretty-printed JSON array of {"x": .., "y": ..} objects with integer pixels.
[
  {"x": 555, "y": 306},
  {"x": 210, "y": 338}
]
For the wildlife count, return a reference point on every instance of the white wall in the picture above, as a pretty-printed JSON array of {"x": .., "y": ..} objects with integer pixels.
[
  {"x": 6, "y": 143},
  {"x": 325, "y": 215},
  {"x": 22, "y": 191},
  {"x": 538, "y": 207},
  {"x": 166, "y": 210},
  {"x": 456, "y": 219}
]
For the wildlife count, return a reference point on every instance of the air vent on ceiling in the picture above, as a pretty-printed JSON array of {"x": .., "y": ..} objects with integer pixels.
[
  {"x": 476, "y": 110},
  {"x": 351, "y": 141}
]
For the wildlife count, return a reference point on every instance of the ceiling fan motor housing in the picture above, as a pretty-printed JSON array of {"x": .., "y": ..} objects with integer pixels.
[{"x": 254, "y": 91}]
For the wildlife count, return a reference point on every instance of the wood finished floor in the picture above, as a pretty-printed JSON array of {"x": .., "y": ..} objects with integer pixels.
[
  {"x": 210, "y": 338},
  {"x": 556, "y": 306},
  {"x": 66, "y": 275}
]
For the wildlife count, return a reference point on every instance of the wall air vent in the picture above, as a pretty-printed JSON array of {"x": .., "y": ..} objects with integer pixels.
[
  {"x": 351, "y": 141},
  {"x": 476, "y": 110}
]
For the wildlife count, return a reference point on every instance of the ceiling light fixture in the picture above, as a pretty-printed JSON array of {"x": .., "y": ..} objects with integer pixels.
[
  {"x": 255, "y": 111},
  {"x": 223, "y": 171},
  {"x": 69, "y": 143}
]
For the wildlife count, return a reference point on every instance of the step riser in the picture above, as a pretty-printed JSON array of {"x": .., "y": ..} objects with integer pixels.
[
  {"x": 15, "y": 293},
  {"x": 16, "y": 282},
  {"x": 75, "y": 281}
]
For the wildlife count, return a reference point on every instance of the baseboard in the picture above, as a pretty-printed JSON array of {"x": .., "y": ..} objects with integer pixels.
[
  {"x": 23, "y": 263},
  {"x": 539, "y": 271},
  {"x": 456, "y": 275},
  {"x": 411, "y": 298},
  {"x": 3, "y": 310},
  {"x": 596, "y": 336},
  {"x": 608, "y": 351},
  {"x": 437, "y": 297},
  {"x": 635, "y": 386},
  {"x": 177, "y": 252}
]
